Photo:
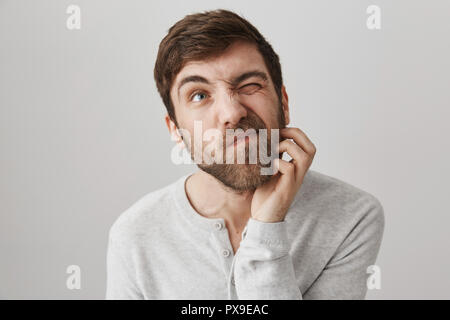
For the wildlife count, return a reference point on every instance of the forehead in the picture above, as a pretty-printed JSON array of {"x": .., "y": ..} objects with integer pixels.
[{"x": 237, "y": 59}]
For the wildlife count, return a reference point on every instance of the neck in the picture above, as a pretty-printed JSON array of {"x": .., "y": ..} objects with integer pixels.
[{"x": 212, "y": 199}]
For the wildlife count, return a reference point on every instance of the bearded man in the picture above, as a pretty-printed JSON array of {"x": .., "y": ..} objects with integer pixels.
[{"x": 231, "y": 230}]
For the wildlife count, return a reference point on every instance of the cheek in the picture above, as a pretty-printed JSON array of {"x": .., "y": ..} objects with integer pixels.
[
  {"x": 265, "y": 107},
  {"x": 189, "y": 128}
]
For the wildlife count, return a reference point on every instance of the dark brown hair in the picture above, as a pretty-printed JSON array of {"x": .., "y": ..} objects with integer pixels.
[{"x": 204, "y": 35}]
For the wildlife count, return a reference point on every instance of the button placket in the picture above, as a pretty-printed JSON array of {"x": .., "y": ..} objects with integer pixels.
[
  {"x": 226, "y": 253},
  {"x": 223, "y": 247}
]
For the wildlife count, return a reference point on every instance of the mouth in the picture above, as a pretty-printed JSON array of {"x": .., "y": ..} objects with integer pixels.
[{"x": 243, "y": 137}]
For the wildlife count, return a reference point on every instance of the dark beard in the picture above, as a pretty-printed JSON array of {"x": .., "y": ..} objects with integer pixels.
[{"x": 238, "y": 177}]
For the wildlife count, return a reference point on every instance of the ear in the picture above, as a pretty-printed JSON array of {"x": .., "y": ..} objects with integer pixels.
[
  {"x": 285, "y": 103},
  {"x": 173, "y": 131}
]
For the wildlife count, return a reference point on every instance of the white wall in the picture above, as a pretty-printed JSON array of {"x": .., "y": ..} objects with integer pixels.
[{"x": 82, "y": 133}]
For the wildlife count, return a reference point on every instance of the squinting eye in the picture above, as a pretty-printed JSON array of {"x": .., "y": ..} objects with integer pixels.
[
  {"x": 250, "y": 88},
  {"x": 198, "y": 94}
]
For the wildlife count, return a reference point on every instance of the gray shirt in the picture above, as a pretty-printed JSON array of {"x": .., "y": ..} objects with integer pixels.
[{"x": 161, "y": 248}]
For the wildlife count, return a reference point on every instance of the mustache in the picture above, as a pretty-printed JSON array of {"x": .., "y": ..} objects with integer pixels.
[
  {"x": 253, "y": 122},
  {"x": 246, "y": 124}
]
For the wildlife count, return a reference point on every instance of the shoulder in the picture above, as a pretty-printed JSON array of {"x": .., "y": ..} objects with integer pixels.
[
  {"x": 144, "y": 216},
  {"x": 337, "y": 207}
]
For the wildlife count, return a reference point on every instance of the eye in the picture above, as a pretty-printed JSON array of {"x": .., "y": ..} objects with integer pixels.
[
  {"x": 250, "y": 88},
  {"x": 200, "y": 95}
]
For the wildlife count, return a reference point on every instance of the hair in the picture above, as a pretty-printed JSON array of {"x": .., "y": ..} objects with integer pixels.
[{"x": 201, "y": 36}]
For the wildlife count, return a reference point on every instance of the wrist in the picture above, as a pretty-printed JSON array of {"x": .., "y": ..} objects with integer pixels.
[{"x": 267, "y": 218}]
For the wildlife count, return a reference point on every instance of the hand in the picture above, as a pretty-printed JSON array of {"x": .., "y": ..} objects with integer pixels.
[{"x": 272, "y": 200}]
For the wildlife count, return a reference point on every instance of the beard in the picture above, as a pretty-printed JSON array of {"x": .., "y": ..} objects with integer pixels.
[
  {"x": 247, "y": 176},
  {"x": 237, "y": 177}
]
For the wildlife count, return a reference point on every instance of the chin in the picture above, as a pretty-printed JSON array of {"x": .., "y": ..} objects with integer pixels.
[{"x": 238, "y": 177}]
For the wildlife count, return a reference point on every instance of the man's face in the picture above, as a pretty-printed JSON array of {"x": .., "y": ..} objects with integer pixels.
[{"x": 233, "y": 90}]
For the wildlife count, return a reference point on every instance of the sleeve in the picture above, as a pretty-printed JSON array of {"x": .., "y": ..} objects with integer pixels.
[
  {"x": 120, "y": 283},
  {"x": 263, "y": 267},
  {"x": 345, "y": 276}
]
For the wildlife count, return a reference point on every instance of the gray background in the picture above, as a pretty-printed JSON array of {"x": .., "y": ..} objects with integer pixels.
[{"x": 82, "y": 134}]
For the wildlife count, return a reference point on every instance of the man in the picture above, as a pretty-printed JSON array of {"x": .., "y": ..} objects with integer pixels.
[{"x": 228, "y": 231}]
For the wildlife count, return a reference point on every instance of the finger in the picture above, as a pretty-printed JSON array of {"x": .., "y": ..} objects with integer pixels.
[
  {"x": 286, "y": 169},
  {"x": 300, "y": 138},
  {"x": 300, "y": 158}
]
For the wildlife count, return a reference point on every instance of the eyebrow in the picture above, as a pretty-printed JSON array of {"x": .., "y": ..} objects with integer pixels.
[{"x": 234, "y": 82}]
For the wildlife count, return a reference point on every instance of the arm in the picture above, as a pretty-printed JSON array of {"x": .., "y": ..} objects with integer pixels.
[
  {"x": 120, "y": 282},
  {"x": 345, "y": 276},
  {"x": 263, "y": 267}
]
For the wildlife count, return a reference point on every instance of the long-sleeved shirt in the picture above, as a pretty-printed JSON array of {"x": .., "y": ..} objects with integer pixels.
[{"x": 161, "y": 248}]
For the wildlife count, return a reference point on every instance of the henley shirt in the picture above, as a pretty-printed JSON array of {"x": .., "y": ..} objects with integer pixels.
[{"x": 161, "y": 248}]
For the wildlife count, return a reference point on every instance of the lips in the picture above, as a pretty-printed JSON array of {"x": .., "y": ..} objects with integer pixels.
[{"x": 241, "y": 137}]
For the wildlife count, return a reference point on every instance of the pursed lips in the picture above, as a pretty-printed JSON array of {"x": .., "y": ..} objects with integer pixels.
[{"x": 240, "y": 137}]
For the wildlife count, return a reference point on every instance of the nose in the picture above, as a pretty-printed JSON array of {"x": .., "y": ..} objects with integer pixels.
[{"x": 230, "y": 111}]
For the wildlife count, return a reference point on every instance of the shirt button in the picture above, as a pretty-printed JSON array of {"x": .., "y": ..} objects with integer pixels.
[
  {"x": 218, "y": 225},
  {"x": 226, "y": 253}
]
